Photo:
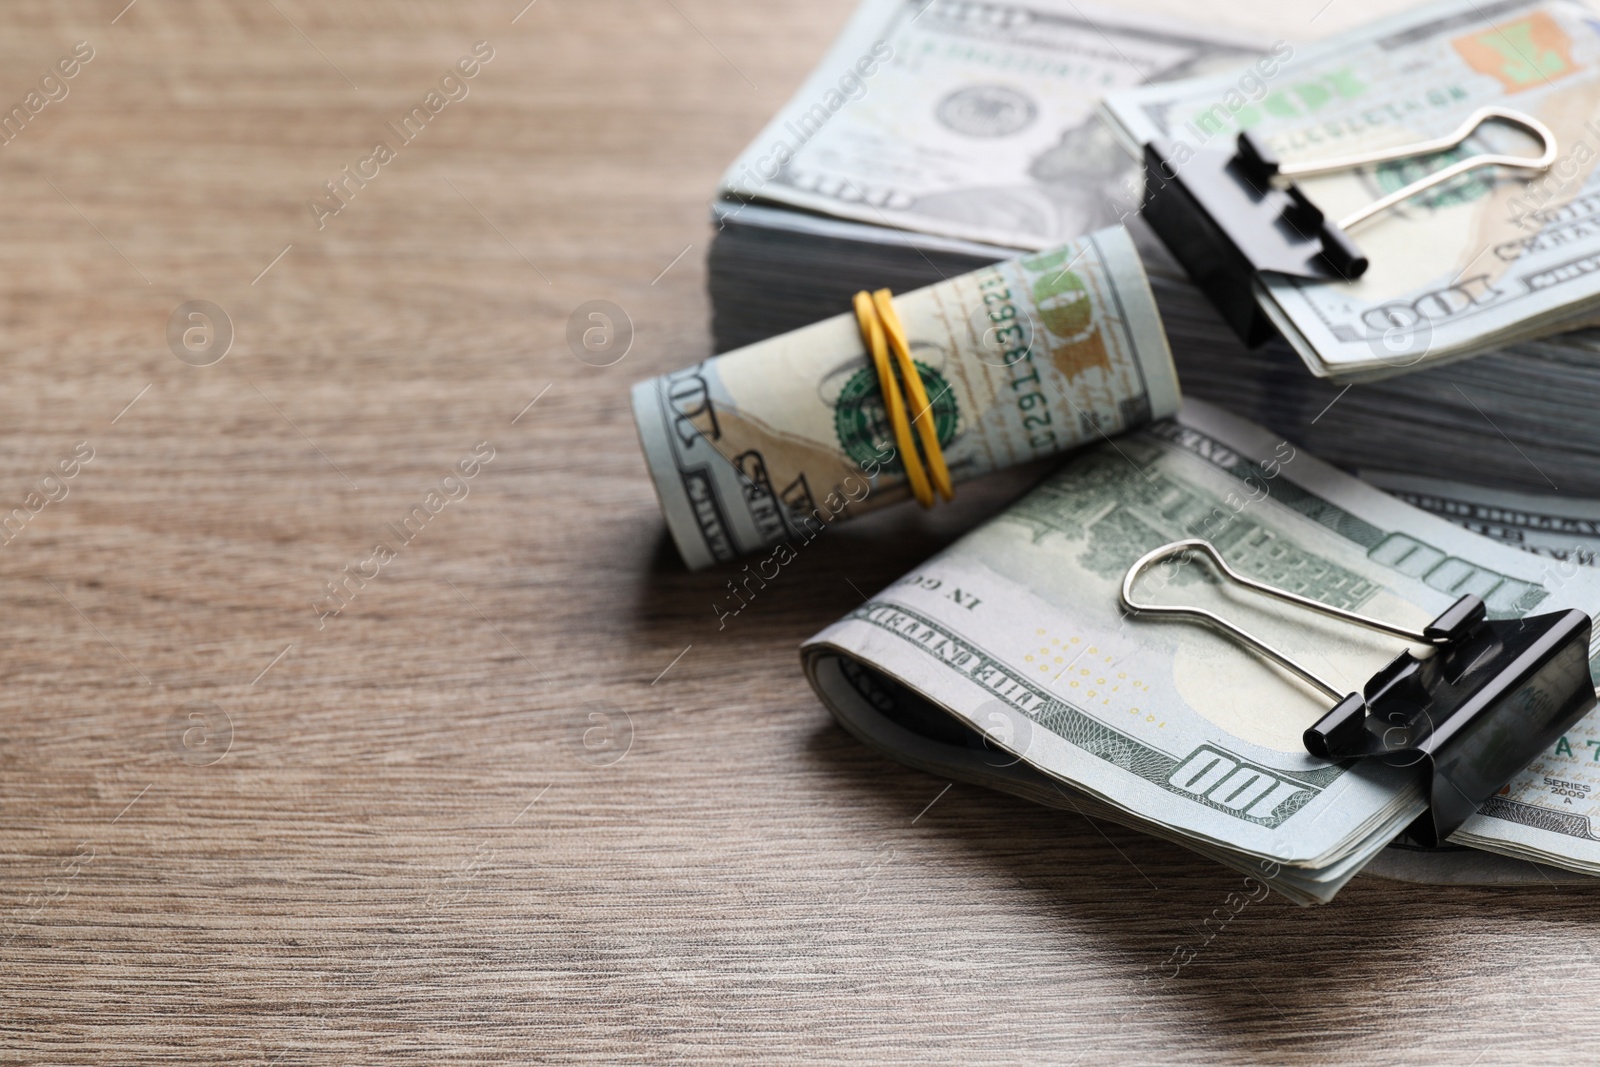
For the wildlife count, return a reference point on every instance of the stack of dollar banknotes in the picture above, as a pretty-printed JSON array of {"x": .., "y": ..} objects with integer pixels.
[{"x": 1418, "y": 434}]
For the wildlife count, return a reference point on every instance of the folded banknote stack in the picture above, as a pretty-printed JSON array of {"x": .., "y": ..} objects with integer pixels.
[
  {"x": 1006, "y": 659},
  {"x": 1490, "y": 258},
  {"x": 974, "y": 160}
]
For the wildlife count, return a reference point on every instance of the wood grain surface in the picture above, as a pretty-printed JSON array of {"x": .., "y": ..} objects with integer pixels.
[{"x": 522, "y": 800}]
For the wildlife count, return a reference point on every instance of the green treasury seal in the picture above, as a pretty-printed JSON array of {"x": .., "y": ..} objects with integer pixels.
[{"x": 862, "y": 422}]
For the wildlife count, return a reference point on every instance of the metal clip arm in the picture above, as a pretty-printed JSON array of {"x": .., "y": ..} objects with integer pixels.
[
  {"x": 1178, "y": 548},
  {"x": 1259, "y": 159}
]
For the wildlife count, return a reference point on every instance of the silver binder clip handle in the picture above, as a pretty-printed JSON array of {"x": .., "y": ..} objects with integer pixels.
[
  {"x": 1210, "y": 618},
  {"x": 1542, "y": 133}
]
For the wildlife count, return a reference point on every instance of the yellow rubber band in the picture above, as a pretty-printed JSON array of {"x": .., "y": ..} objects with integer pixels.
[
  {"x": 881, "y": 331},
  {"x": 872, "y": 335},
  {"x": 923, "y": 419}
]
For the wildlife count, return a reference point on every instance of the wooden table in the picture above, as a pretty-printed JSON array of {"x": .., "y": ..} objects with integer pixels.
[{"x": 520, "y": 799}]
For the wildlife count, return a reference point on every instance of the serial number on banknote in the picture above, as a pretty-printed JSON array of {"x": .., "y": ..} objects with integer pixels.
[{"x": 1011, "y": 331}]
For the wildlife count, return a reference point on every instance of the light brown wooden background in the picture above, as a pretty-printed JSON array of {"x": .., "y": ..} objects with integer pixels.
[{"x": 401, "y": 854}]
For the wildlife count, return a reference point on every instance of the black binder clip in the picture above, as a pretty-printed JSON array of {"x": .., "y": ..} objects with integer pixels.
[
  {"x": 1227, "y": 216},
  {"x": 1494, "y": 694}
]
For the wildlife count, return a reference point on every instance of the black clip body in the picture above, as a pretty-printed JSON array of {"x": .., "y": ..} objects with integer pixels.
[
  {"x": 1225, "y": 222},
  {"x": 1229, "y": 216},
  {"x": 1494, "y": 694}
]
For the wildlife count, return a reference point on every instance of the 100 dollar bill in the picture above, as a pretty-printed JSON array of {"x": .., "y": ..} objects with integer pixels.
[
  {"x": 1561, "y": 527},
  {"x": 1171, "y": 723},
  {"x": 1492, "y": 257},
  {"x": 1020, "y": 360},
  {"x": 970, "y": 120}
]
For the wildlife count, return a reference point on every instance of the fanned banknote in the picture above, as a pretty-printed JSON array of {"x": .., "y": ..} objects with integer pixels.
[
  {"x": 1492, "y": 257},
  {"x": 762, "y": 447},
  {"x": 1007, "y": 660},
  {"x": 970, "y": 120}
]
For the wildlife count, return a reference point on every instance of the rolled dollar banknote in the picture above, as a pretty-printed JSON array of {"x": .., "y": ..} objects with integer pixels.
[{"x": 1020, "y": 360}]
